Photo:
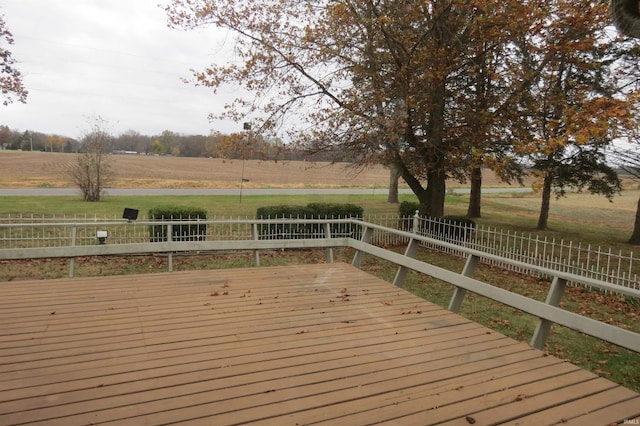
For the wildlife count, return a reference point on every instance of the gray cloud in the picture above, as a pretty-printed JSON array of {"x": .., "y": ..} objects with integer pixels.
[{"x": 116, "y": 59}]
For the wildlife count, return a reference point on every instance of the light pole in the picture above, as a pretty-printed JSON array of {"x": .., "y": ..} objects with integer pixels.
[{"x": 247, "y": 128}]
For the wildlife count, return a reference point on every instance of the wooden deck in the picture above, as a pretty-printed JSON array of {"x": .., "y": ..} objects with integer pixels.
[{"x": 292, "y": 345}]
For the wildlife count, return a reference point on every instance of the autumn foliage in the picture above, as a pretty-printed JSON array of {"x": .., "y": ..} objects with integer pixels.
[
  {"x": 433, "y": 89},
  {"x": 11, "y": 86}
]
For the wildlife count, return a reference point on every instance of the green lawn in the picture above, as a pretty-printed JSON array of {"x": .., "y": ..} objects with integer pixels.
[{"x": 216, "y": 205}]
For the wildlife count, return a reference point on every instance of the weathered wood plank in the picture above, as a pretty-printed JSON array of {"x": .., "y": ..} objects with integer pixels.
[{"x": 277, "y": 345}]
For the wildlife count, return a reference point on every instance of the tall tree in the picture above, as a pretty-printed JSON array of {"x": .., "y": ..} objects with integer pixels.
[
  {"x": 11, "y": 86},
  {"x": 575, "y": 107},
  {"x": 56, "y": 143},
  {"x": 5, "y": 137},
  {"x": 378, "y": 79},
  {"x": 487, "y": 91}
]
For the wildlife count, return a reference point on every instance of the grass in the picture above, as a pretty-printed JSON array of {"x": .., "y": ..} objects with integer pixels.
[
  {"x": 216, "y": 205},
  {"x": 578, "y": 217}
]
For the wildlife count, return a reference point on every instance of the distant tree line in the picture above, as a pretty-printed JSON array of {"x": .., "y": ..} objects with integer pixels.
[{"x": 216, "y": 145}]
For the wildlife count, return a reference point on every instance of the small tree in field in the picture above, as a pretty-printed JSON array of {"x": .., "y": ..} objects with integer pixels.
[{"x": 92, "y": 170}]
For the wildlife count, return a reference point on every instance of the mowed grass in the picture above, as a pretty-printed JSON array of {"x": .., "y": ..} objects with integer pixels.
[
  {"x": 217, "y": 206},
  {"x": 579, "y": 217}
]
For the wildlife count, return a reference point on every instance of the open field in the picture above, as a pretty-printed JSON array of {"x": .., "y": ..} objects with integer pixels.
[
  {"x": 40, "y": 169},
  {"x": 21, "y": 169}
]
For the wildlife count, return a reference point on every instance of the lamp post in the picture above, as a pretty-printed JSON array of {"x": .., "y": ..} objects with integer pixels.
[{"x": 247, "y": 128}]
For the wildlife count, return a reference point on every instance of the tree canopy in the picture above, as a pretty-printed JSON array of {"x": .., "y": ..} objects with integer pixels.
[
  {"x": 11, "y": 85},
  {"x": 434, "y": 89}
]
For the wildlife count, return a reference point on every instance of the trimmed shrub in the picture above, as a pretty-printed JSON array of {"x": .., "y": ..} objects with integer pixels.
[
  {"x": 337, "y": 211},
  {"x": 284, "y": 230},
  {"x": 310, "y": 211},
  {"x": 406, "y": 212},
  {"x": 284, "y": 211},
  {"x": 187, "y": 232},
  {"x": 408, "y": 208}
]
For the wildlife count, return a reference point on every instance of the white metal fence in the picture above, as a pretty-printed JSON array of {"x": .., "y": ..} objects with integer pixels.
[
  {"x": 587, "y": 260},
  {"x": 596, "y": 262}
]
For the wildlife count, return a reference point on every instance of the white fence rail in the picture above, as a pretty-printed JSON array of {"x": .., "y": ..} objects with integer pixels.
[
  {"x": 596, "y": 262},
  {"x": 72, "y": 240}
]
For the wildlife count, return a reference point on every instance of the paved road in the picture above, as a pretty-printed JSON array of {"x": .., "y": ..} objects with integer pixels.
[{"x": 236, "y": 191}]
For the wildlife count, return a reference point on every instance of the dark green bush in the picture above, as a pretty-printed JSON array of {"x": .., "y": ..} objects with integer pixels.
[
  {"x": 310, "y": 211},
  {"x": 284, "y": 211},
  {"x": 337, "y": 211},
  {"x": 284, "y": 230},
  {"x": 406, "y": 212},
  {"x": 187, "y": 232},
  {"x": 408, "y": 208}
]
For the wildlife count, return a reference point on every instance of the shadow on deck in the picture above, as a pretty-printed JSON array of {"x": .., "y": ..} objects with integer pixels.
[{"x": 291, "y": 345}]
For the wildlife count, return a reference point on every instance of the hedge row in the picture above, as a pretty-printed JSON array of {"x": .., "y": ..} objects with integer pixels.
[
  {"x": 191, "y": 232},
  {"x": 310, "y": 211},
  {"x": 447, "y": 227}
]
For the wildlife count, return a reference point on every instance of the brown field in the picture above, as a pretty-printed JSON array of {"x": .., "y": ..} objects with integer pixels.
[{"x": 45, "y": 169}]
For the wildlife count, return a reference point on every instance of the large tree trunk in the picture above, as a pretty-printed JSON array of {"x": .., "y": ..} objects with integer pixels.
[
  {"x": 475, "y": 199},
  {"x": 431, "y": 198},
  {"x": 416, "y": 187},
  {"x": 543, "y": 219},
  {"x": 635, "y": 238},
  {"x": 436, "y": 190},
  {"x": 394, "y": 175},
  {"x": 626, "y": 15}
]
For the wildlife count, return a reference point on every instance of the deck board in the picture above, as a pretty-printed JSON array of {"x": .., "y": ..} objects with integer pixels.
[{"x": 309, "y": 344}]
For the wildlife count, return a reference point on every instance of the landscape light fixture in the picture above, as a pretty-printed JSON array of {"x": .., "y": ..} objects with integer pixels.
[
  {"x": 102, "y": 236},
  {"x": 130, "y": 214}
]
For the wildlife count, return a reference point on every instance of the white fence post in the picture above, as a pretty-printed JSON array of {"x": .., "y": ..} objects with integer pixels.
[
  {"x": 256, "y": 253},
  {"x": 458, "y": 294},
  {"x": 169, "y": 239},
  {"x": 410, "y": 251},
  {"x": 544, "y": 326},
  {"x": 327, "y": 234},
  {"x": 72, "y": 261},
  {"x": 367, "y": 234}
]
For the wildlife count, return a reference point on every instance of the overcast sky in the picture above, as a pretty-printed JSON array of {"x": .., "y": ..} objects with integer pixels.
[{"x": 115, "y": 59}]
